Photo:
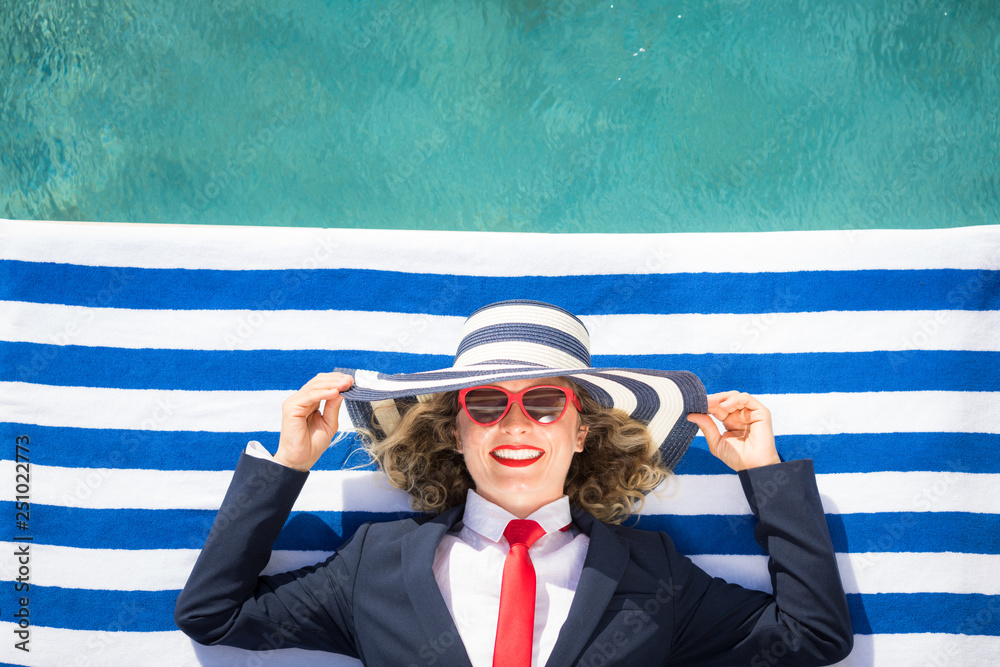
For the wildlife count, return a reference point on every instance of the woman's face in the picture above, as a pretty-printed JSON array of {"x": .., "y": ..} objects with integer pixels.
[{"x": 521, "y": 485}]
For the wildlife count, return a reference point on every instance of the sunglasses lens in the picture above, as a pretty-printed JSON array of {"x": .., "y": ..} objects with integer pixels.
[
  {"x": 545, "y": 404},
  {"x": 485, "y": 405}
]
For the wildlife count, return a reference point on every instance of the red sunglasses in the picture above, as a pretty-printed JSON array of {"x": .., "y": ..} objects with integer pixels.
[{"x": 543, "y": 404}]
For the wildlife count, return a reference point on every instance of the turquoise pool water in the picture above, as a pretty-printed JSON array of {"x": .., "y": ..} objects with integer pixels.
[{"x": 513, "y": 115}]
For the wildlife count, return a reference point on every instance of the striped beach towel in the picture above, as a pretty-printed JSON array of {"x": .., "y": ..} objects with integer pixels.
[{"x": 138, "y": 361}]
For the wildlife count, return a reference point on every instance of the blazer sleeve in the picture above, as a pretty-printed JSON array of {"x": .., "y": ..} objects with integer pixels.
[
  {"x": 226, "y": 601},
  {"x": 806, "y": 620}
]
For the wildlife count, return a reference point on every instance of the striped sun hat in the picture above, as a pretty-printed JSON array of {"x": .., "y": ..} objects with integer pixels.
[{"x": 514, "y": 340}]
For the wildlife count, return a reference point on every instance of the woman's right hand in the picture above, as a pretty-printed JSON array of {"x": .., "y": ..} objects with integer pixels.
[{"x": 305, "y": 431}]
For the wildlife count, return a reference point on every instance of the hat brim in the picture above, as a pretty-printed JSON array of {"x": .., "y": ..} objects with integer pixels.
[{"x": 659, "y": 399}]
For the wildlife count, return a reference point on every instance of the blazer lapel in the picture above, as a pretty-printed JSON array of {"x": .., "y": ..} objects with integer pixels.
[
  {"x": 443, "y": 641},
  {"x": 603, "y": 568}
]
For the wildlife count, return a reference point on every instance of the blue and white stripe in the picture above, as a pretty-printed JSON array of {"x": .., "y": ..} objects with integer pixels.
[{"x": 141, "y": 359}]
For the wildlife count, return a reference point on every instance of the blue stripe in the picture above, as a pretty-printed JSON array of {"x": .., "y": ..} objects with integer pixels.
[
  {"x": 871, "y": 452},
  {"x": 152, "y": 611},
  {"x": 182, "y": 529},
  {"x": 101, "y": 610},
  {"x": 965, "y": 532},
  {"x": 356, "y": 289},
  {"x": 948, "y": 613},
  {"x": 71, "y": 447},
  {"x": 907, "y": 532},
  {"x": 251, "y": 370},
  {"x": 195, "y": 370},
  {"x": 822, "y": 372}
]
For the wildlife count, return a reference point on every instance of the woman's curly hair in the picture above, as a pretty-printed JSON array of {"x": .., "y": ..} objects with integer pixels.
[{"x": 619, "y": 463}]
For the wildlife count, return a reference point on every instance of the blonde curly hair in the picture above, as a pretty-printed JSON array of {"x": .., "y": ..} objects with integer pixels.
[{"x": 619, "y": 463}]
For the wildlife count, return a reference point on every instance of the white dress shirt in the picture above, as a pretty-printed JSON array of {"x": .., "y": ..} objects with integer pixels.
[{"x": 468, "y": 568}]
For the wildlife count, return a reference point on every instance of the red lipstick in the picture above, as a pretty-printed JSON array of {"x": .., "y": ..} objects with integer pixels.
[{"x": 516, "y": 456}]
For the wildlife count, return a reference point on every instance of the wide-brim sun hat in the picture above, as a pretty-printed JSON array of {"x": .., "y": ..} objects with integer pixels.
[{"x": 520, "y": 339}]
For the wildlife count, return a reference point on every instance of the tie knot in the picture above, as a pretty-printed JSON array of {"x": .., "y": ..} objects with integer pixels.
[{"x": 523, "y": 531}]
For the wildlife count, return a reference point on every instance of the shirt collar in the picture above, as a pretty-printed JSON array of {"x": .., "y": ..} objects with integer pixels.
[{"x": 490, "y": 520}]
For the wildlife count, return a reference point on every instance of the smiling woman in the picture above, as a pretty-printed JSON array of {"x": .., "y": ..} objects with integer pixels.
[
  {"x": 528, "y": 456},
  {"x": 617, "y": 464}
]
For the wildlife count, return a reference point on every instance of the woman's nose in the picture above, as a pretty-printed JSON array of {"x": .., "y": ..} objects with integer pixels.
[{"x": 515, "y": 419}]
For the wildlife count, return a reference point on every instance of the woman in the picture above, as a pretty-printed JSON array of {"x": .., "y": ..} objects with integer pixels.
[{"x": 528, "y": 460}]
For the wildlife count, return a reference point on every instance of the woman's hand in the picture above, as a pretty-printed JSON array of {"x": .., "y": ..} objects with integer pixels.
[
  {"x": 305, "y": 431},
  {"x": 748, "y": 441}
]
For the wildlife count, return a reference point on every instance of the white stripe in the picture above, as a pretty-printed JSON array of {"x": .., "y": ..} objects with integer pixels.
[
  {"x": 168, "y": 569},
  {"x": 931, "y": 491},
  {"x": 128, "y": 569},
  {"x": 842, "y": 493},
  {"x": 490, "y": 253},
  {"x": 794, "y": 414},
  {"x": 766, "y": 333},
  {"x": 922, "y": 650},
  {"x": 876, "y": 572},
  {"x": 747, "y": 571},
  {"x": 103, "y": 569},
  {"x": 118, "y": 488},
  {"x": 362, "y": 490},
  {"x": 790, "y": 333},
  {"x": 229, "y": 329},
  {"x": 147, "y": 409},
  {"x": 57, "y": 646},
  {"x": 883, "y": 412},
  {"x": 920, "y": 573}
]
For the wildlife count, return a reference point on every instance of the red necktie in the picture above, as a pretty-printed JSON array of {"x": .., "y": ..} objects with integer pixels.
[{"x": 517, "y": 597}]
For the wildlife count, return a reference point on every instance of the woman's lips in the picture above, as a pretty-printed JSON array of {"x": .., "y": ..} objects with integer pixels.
[{"x": 516, "y": 456}]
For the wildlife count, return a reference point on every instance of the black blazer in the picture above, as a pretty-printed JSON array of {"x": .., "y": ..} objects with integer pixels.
[{"x": 638, "y": 601}]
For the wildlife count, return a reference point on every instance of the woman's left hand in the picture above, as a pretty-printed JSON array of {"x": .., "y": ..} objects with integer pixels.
[{"x": 748, "y": 441}]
